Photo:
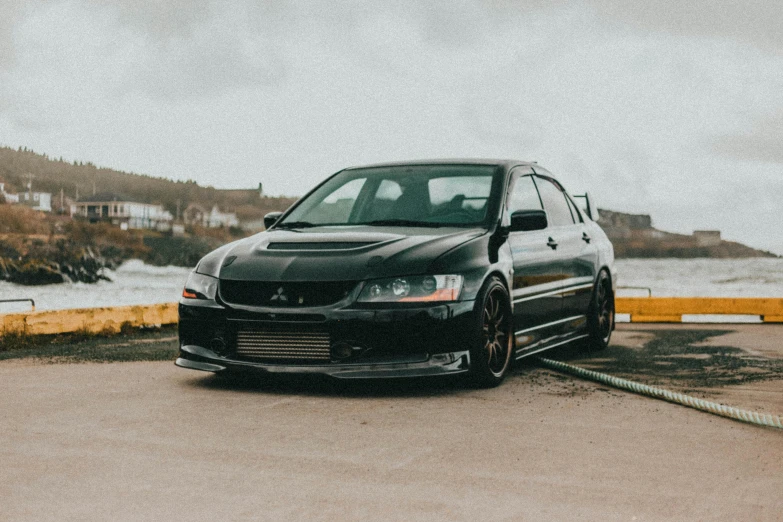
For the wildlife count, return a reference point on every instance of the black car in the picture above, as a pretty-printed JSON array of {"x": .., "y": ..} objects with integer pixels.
[{"x": 406, "y": 269}]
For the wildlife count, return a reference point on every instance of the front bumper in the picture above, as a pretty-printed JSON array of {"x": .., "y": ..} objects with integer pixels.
[
  {"x": 198, "y": 358},
  {"x": 395, "y": 342}
]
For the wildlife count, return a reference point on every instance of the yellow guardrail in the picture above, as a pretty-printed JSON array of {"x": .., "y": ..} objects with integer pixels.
[
  {"x": 671, "y": 309},
  {"x": 92, "y": 320}
]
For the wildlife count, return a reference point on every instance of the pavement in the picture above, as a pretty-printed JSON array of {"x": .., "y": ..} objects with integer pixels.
[{"x": 149, "y": 441}]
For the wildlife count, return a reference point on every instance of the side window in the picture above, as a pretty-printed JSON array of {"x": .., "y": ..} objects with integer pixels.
[
  {"x": 554, "y": 203},
  {"x": 524, "y": 196},
  {"x": 574, "y": 212}
]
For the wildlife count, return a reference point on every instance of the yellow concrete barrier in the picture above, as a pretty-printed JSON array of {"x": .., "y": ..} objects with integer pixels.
[
  {"x": 671, "y": 309},
  {"x": 641, "y": 310},
  {"x": 91, "y": 320}
]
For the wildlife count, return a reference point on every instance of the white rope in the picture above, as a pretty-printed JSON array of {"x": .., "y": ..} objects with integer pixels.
[{"x": 773, "y": 421}]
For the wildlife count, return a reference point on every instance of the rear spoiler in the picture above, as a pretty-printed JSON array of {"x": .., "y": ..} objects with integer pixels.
[{"x": 589, "y": 205}]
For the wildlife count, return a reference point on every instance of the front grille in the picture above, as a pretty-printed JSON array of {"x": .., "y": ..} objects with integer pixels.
[
  {"x": 260, "y": 344},
  {"x": 275, "y": 294}
]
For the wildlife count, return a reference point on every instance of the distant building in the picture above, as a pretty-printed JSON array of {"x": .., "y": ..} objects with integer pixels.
[
  {"x": 195, "y": 214},
  {"x": 9, "y": 198},
  {"x": 36, "y": 200},
  {"x": 121, "y": 211},
  {"x": 707, "y": 237},
  {"x": 218, "y": 219}
]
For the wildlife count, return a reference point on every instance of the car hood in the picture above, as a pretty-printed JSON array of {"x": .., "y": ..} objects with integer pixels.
[{"x": 338, "y": 253}]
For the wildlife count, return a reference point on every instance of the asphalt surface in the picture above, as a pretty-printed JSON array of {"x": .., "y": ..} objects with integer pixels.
[{"x": 149, "y": 441}]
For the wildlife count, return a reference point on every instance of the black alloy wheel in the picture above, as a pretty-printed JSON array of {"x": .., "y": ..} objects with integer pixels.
[
  {"x": 600, "y": 319},
  {"x": 491, "y": 352}
]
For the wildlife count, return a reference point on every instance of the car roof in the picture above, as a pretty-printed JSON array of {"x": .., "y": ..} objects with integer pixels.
[{"x": 455, "y": 161}]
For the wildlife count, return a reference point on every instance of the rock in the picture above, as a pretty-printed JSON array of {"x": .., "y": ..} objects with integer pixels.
[{"x": 37, "y": 273}]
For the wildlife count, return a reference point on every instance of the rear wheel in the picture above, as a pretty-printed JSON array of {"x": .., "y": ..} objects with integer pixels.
[
  {"x": 490, "y": 354},
  {"x": 600, "y": 317}
]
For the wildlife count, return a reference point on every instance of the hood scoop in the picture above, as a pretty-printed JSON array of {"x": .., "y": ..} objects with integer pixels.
[{"x": 319, "y": 245}]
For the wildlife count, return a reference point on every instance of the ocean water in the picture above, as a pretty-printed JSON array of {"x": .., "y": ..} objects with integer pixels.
[
  {"x": 137, "y": 283},
  {"x": 755, "y": 277},
  {"x": 132, "y": 283}
]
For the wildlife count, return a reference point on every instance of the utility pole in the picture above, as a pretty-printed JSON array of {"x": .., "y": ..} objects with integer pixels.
[
  {"x": 62, "y": 201},
  {"x": 179, "y": 202}
]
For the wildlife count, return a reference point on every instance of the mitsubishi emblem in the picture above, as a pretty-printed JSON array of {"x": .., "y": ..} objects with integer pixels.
[{"x": 280, "y": 296}]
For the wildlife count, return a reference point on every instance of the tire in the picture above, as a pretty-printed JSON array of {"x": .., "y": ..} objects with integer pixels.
[
  {"x": 492, "y": 346},
  {"x": 600, "y": 315}
]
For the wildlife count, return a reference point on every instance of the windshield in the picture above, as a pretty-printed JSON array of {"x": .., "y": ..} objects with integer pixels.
[{"x": 418, "y": 195}]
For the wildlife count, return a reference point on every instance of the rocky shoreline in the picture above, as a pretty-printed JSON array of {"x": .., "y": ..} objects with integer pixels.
[
  {"x": 86, "y": 268},
  {"x": 35, "y": 261}
]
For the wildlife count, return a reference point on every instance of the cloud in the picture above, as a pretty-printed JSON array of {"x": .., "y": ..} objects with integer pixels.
[
  {"x": 157, "y": 20},
  {"x": 183, "y": 49},
  {"x": 763, "y": 143},
  {"x": 642, "y": 105},
  {"x": 755, "y": 22},
  {"x": 12, "y": 11}
]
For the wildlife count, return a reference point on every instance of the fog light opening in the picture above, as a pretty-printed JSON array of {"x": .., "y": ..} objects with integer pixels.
[
  {"x": 341, "y": 351},
  {"x": 218, "y": 345}
]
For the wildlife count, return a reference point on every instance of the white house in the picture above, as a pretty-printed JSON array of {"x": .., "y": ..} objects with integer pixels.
[
  {"x": 121, "y": 211},
  {"x": 195, "y": 214},
  {"x": 36, "y": 200},
  {"x": 9, "y": 198},
  {"x": 217, "y": 219}
]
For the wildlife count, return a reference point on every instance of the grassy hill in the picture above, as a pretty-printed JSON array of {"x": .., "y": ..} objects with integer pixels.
[{"x": 53, "y": 174}]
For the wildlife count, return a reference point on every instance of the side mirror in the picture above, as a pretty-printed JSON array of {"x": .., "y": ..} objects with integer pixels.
[
  {"x": 527, "y": 220},
  {"x": 271, "y": 218},
  {"x": 589, "y": 206}
]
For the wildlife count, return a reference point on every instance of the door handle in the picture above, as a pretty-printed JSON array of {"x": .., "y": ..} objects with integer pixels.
[
  {"x": 586, "y": 238},
  {"x": 552, "y": 244}
]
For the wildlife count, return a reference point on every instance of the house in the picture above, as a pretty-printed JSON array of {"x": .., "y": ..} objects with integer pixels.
[
  {"x": 707, "y": 237},
  {"x": 36, "y": 200},
  {"x": 195, "y": 214},
  {"x": 218, "y": 219},
  {"x": 121, "y": 211},
  {"x": 9, "y": 198}
]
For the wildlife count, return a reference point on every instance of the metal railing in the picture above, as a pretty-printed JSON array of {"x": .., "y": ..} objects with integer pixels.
[
  {"x": 648, "y": 289},
  {"x": 31, "y": 301}
]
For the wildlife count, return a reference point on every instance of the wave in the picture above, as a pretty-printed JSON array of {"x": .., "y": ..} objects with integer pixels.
[{"x": 137, "y": 266}]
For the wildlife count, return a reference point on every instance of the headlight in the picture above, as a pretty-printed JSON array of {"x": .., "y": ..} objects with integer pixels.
[
  {"x": 412, "y": 289},
  {"x": 200, "y": 286}
]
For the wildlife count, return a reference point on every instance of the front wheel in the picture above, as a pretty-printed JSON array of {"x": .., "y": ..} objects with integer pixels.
[
  {"x": 600, "y": 317},
  {"x": 490, "y": 353}
]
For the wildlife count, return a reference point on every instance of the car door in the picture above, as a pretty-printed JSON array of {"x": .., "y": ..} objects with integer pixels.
[
  {"x": 535, "y": 285},
  {"x": 575, "y": 253}
]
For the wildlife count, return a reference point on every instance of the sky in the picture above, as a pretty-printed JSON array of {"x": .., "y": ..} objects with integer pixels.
[{"x": 668, "y": 108}]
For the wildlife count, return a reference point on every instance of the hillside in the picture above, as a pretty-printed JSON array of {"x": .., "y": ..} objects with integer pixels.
[
  {"x": 18, "y": 166},
  {"x": 634, "y": 236}
]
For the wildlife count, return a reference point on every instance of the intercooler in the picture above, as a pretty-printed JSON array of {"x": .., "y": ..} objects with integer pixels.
[{"x": 282, "y": 346}]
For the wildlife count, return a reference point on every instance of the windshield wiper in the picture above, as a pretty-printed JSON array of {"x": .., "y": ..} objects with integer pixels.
[
  {"x": 400, "y": 223},
  {"x": 296, "y": 224}
]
